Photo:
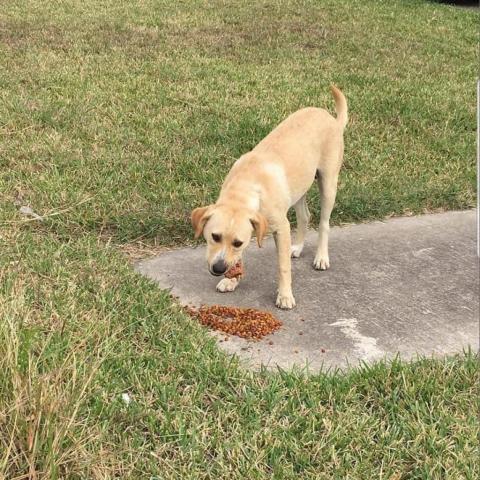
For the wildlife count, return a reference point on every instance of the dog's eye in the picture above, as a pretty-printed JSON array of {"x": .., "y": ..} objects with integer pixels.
[
  {"x": 216, "y": 237},
  {"x": 237, "y": 243}
]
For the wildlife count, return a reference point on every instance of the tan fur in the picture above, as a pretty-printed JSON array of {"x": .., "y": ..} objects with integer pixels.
[
  {"x": 276, "y": 175},
  {"x": 260, "y": 226},
  {"x": 199, "y": 218}
]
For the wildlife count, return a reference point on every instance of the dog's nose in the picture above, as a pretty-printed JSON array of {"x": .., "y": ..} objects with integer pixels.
[{"x": 219, "y": 268}]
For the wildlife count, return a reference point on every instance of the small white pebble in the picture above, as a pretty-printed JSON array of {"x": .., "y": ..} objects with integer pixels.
[{"x": 126, "y": 398}]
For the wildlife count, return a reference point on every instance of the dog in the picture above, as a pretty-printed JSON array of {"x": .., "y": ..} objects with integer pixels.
[{"x": 264, "y": 183}]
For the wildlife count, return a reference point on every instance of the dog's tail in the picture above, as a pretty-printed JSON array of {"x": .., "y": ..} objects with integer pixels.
[{"x": 340, "y": 106}]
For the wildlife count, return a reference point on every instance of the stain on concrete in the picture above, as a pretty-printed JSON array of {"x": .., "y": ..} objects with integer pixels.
[{"x": 366, "y": 347}]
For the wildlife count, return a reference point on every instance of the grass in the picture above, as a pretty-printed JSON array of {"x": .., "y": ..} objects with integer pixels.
[{"x": 116, "y": 119}]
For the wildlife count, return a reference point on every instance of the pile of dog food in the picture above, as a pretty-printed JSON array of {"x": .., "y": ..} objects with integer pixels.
[{"x": 242, "y": 322}]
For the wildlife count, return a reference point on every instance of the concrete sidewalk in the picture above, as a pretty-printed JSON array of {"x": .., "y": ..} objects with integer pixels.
[{"x": 406, "y": 286}]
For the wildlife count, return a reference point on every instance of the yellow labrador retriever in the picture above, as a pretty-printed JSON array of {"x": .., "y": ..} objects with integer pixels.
[{"x": 264, "y": 183}]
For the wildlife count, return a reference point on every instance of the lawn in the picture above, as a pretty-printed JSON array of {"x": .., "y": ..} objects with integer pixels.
[{"x": 116, "y": 119}]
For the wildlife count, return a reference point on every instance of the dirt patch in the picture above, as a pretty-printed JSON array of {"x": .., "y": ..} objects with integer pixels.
[
  {"x": 265, "y": 32},
  {"x": 23, "y": 34},
  {"x": 94, "y": 38},
  {"x": 268, "y": 31}
]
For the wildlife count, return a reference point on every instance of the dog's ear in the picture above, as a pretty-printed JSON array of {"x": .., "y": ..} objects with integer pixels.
[
  {"x": 199, "y": 218},
  {"x": 260, "y": 225}
]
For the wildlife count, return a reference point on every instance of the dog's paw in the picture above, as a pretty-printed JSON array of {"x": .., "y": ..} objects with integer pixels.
[
  {"x": 296, "y": 250},
  {"x": 321, "y": 262},
  {"x": 285, "y": 302},
  {"x": 227, "y": 285}
]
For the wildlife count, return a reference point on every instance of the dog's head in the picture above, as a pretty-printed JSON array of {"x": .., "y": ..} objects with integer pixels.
[{"x": 228, "y": 232}]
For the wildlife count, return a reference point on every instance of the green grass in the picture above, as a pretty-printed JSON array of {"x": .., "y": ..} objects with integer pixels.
[{"x": 116, "y": 118}]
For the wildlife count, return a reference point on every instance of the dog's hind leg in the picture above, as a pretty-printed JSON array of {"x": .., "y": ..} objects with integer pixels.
[
  {"x": 327, "y": 184},
  {"x": 303, "y": 217}
]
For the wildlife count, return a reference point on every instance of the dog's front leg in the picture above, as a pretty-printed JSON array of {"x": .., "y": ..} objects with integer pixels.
[
  {"x": 282, "y": 241},
  {"x": 227, "y": 284}
]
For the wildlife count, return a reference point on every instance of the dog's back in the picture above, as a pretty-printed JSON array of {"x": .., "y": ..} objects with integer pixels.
[{"x": 308, "y": 139}]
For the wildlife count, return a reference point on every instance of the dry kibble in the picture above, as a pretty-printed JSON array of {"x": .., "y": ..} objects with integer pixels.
[
  {"x": 236, "y": 271},
  {"x": 242, "y": 322}
]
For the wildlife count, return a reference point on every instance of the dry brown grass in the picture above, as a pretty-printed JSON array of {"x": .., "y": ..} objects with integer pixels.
[{"x": 42, "y": 434}]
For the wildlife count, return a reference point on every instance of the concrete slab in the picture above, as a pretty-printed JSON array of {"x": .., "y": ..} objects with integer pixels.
[{"x": 406, "y": 286}]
